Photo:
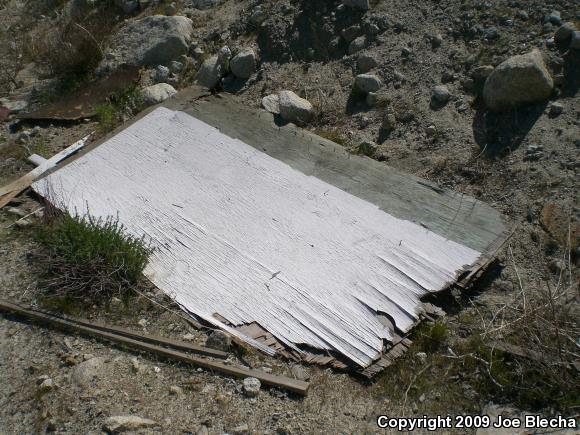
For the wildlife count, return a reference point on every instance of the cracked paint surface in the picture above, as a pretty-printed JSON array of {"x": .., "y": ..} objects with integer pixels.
[{"x": 243, "y": 235}]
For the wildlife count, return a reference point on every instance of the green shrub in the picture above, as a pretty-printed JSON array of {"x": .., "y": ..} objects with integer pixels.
[
  {"x": 90, "y": 258},
  {"x": 120, "y": 106}
]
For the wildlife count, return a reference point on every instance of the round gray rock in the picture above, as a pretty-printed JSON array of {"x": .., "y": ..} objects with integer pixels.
[
  {"x": 295, "y": 109},
  {"x": 243, "y": 64},
  {"x": 157, "y": 93},
  {"x": 366, "y": 83},
  {"x": 357, "y": 45},
  {"x": 252, "y": 387},
  {"x": 365, "y": 63},
  {"x": 210, "y": 72},
  {"x": 441, "y": 94},
  {"x": 519, "y": 80},
  {"x": 564, "y": 33}
]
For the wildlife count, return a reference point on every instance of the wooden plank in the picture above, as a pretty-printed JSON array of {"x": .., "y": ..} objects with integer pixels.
[
  {"x": 161, "y": 341},
  {"x": 294, "y": 385},
  {"x": 12, "y": 190},
  {"x": 220, "y": 210}
]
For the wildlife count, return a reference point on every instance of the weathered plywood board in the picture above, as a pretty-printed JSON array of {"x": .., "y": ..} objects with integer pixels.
[{"x": 253, "y": 238}]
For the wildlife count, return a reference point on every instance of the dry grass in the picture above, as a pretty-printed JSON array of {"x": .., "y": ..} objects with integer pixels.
[{"x": 73, "y": 47}]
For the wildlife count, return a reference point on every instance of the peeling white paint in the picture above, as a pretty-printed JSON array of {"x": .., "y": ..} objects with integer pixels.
[{"x": 244, "y": 235}]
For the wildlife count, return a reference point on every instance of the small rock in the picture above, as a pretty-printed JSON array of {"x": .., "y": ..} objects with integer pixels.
[
  {"x": 533, "y": 152},
  {"x": 491, "y": 33},
  {"x": 176, "y": 67},
  {"x": 300, "y": 372},
  {"x": 142, "y": 323},
  {"x": 522, "y": 15},
  {"x": 258, "y": 17},
  {"x": 564, "y": 33},
  {"x": 242, "y": 429},
  {"x": 46, "y": 385},
  {"x": 271, "y": 103},
  {"x": 350, "y": 33},
  {"x": 23, "y": 223},
  {"x": 210, "y": 72},
  {"x": 368, "y": 148},
  {"x": 406, "y": 52},
  {"x": 175, "y": 390},
  {"x": 421, "y": 398},
  {"x": 41, "y": 379},
  {"x": 243, "y": 64},
  {"x": 295, "y": 109},
  {"x": 556, "y": 109},
  {"x": 84, "y": 373},
  {"x": 554, "y": 18},
  {"x": 389, "y": 123},
  {"x": 440, "y": 94},
  {"x": 197, "y": 52},
  {"x": 357, "y": 45},
  {"x": 436, "y": 40},
  {"x": 224, "y": 55},
  {"x": 252, "y": 387},
  {"x": 203, "y": 430},
  {"x": 365, "y": 63},
  {"x": 124, "y": 423},
  {"x": 189, "y": 337},
  {"x": 366, "y": 83},
  {"x": 421, "y": 356},
  {"x": 431, "y": 130},
  {"x": 219, "y": 340},
  {"x": 158, "y": 93},
  {"x": 15, "y": 211}
]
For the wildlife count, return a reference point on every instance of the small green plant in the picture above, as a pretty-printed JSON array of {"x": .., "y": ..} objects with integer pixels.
[
  {"x": 332, "y": 134},
  {"x": 90, "y": 258},
  {"x": 431, "y": 337},
  {"x": 120, "y": 106}
]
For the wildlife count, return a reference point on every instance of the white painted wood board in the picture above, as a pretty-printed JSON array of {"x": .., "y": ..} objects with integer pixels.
[{"x": 243, "y": 235}]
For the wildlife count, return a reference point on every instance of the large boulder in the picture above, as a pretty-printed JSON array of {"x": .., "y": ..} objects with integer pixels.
[
  {"x": 519, "y": 80},
  {"x": 150, "y": 41},
  {"x": 295, "y": 109},
  {"x": 243, "y": 64}
]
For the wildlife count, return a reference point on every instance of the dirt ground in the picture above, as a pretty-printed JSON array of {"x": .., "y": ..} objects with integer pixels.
[{"x": 476, "y": 152}]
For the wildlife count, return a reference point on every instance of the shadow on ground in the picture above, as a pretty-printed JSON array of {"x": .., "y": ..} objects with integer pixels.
[{"x": 500, "y": 133}]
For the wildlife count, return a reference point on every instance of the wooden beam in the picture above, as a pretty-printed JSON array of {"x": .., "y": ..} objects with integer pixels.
[
  {"x": 12, "y": 190},
  {"x": 294, "y": 385},
  {"x": 153, "y": 339}
]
